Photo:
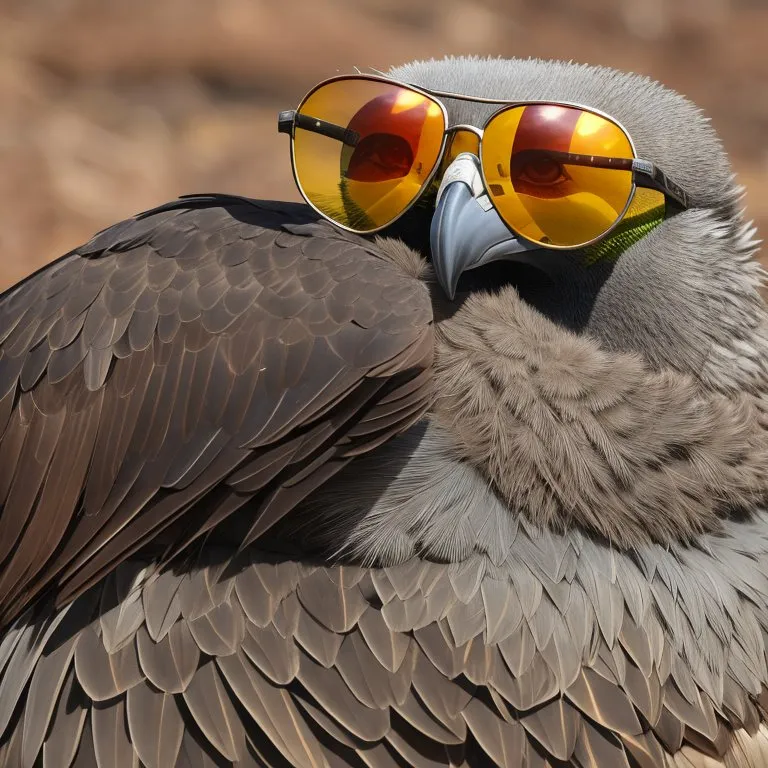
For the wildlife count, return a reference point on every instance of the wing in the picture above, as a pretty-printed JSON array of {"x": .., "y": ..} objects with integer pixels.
[
  {"x": 196, "y": 360},
  {"x": 423, "y": 664}
]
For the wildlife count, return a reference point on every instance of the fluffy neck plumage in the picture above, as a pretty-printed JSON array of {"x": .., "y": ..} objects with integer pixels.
[{"x": 571, "y": 434}]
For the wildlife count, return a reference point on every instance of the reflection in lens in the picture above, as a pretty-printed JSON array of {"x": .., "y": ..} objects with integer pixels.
[
  {"x": 536, "y": 160},
  {"x": 366, "y": 183},
  {"x": 379, "y": 157},
  {"x": 538, "y": 173}
]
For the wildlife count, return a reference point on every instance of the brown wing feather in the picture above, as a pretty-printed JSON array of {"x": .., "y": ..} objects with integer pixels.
[
  {"x": 182, "y": 364},
  {"x": 350, "y": 690}
]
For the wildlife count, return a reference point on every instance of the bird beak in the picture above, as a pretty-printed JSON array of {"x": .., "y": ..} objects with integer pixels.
[{"x": 466, "y": 230}]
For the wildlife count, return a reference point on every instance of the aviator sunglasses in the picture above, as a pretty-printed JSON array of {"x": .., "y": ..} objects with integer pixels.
[{"x": 365, "y": 149}]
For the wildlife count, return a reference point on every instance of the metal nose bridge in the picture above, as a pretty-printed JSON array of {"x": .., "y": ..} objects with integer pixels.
[
  {"x": 465, "y": 128},
  {"x": 459, "y": 138},
  {"x": 462, "y": 138}
]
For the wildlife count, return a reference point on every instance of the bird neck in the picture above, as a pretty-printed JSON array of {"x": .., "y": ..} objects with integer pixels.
[
  {"x": 571, "y": 434},
  {"x": 687, "y": 297}
]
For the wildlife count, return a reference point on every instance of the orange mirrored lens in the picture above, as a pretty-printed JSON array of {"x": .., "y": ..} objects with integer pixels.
[
  {"x": 366, "y": 174},
  {"x": 541, "y": 165}
]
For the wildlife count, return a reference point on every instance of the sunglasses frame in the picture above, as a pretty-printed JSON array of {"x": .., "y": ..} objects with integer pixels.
[{"x": 644, "y": 172}]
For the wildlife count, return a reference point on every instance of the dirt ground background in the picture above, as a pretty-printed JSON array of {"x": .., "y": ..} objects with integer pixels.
[{"x": 108, "y": 107}]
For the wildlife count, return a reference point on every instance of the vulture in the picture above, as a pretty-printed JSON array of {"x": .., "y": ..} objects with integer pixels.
[{"x": 274, "y": 493}]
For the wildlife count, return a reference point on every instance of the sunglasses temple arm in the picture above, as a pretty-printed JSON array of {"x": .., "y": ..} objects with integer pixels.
[
  {"x": 646, "y": 174},
  {"x": 289, "y": 120}
]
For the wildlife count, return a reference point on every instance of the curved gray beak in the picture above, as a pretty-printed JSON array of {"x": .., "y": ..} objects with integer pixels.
[{"x": 466, "y": 230}]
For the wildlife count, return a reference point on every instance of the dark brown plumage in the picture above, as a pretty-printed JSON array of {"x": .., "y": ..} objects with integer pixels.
[{"x": 200, "y": 352}]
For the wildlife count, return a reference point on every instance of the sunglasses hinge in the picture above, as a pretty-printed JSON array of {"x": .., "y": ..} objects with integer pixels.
[
  {"x": 654, "y": 178},
  {"x": 285, "y": 121}
]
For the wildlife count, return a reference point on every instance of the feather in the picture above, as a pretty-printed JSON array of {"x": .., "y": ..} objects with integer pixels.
[
  {"x": 315, "y": 639},
  {"x": 635, "y": 641},
  {"x": 337, "y": 606},
  {"x": 604, "y": 703},
  {"x": 445, "y": 699},
  {"x": 339, "y": 744},
  {"x": 111, "y": 744},
  {"x": 420, "y": 718},
  {"x": 534, "y": 687},
  {"x": 63, "y": 738},
  {"x": 699, "y": 715},
  {"x": 479, "y": 661},
  {"x": 562, "y": 655},
  {"x": 518, "y": 651},
  {"x": 272, "y": 708},
  {"x": 195, "y": 597},
  {"x": 331, "y": 692},
  {"x": 160, "y": 597},
  {"x": 404, "y": 615},
  {"x": 416, "y": 750},
  {"x": 286, "y": 618},
  {"x": 44, "y": 687},
  {"x": 19, "y": 509},
  {"x": 122, "y": 610},
  {"x": 502, "y": 741},
  {"x": 103, "y": 675},
  {"x": 644, "y": 749},
  {"x": 466, "y": 579},
  {"x": 467, "y": 620},
  {"x": 155, "y": 725},
  {"x": 503, "y": 612},
  {"x": 596, "y": 748},
  {"x": 220, "y": 631},
  {"x": 669, "y": 730},
  {"x": 542, "y": 623},
  {"x": 171, "y": 663},
  {"x": 86, "y": 752},
  {"x": 440, "y": 650},
  {"x": 276, "y": 657},
  {"x": 214, "y": 713},
  {"x": 389, "y": 647},
  {"x": 381, "y": 755},
  {"x": 383, "y": 586},
  {"x": 406, "y": 579},
  {"x": 24, "y": 651},
  {"x": 644, "y": 691},
  {"x": 556, "y": 727},
  {"x": 10, "y": 749}
]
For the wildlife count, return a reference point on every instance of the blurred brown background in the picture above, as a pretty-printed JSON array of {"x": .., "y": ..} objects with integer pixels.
[{"x": 108, "y": 107}]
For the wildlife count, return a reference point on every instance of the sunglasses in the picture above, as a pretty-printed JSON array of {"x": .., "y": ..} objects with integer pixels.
[{"x": 365, "y": 149}]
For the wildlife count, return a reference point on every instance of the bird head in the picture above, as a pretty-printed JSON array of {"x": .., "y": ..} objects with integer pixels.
[
  {"x": 618, "y": 388},
  {"x": 681, "y": 289}
]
